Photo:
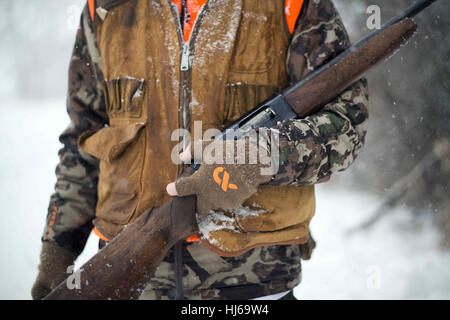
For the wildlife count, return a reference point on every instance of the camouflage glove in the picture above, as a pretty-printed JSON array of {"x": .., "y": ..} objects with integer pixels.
[
  {"x": 227, "y": 175},
  {"x": 306, "y": 249},
  {"x": 52, "y": 270}
]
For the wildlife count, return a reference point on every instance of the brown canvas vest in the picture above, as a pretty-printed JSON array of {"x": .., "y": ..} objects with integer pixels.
[{"x": 237, "y": 59}]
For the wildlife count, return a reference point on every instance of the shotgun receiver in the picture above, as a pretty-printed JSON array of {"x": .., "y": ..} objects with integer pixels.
[{"x": 122, "y": 269}]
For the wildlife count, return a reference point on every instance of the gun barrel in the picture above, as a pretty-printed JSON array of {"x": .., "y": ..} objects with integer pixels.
[
  {"x": 411, "y": 12},
  {"x": 408, "y": 13},
  {"x": 317, "y": 89}
]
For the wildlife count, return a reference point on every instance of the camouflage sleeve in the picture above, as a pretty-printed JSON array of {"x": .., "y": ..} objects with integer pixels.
[
  {"x": 313, "y": 148},
  {"x": 72, "y": 206}
]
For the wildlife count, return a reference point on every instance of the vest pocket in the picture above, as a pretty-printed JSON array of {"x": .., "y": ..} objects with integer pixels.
[
  {"x": 124, "y": 97},
  {"x": 254, "y": 49},
  {"x": 241, "y": 98},
  {"x": 120, "y": 149},
  {"x": 276, "y": 208}
]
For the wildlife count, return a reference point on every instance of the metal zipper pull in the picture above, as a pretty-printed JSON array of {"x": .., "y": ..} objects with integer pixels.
[{"x": 185, "y": 58}]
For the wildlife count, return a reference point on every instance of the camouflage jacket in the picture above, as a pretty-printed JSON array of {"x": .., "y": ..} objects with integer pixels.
[{"x": 311, "y": 150}]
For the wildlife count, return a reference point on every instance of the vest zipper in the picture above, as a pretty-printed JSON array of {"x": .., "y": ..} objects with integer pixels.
[
  {"x": 186, "y": 56},
  {"x": 185, "y": 67}
]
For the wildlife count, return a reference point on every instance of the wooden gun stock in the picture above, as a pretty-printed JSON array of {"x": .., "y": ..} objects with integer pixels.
[{"x": 122, "y": 269}]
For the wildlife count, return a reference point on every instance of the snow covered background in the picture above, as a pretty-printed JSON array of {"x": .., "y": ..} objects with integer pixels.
[{"x": 398, "y": 258}]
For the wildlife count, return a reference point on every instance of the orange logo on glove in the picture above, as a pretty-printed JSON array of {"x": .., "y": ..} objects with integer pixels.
[{"x": 223, "y": 182}]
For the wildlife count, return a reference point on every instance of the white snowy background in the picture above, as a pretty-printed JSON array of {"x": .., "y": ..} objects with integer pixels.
[{"x": 398, "y": 258}]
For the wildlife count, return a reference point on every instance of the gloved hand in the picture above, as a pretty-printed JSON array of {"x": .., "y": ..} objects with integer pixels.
[
  {"x": 306, "y": 249},
  {"x": 52, "y": 270},
  {"x": 225, "y": 179}
]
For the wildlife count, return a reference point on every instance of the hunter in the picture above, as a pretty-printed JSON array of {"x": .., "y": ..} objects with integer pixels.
[{"x": 141, "y": 70}]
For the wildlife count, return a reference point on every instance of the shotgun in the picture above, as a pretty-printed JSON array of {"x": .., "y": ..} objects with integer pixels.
[{"x": 122, "y": 269}]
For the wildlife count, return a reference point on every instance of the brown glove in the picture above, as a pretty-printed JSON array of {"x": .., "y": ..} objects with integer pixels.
[
  {"x": 52, "y": 270},
  {"x": 306, "y": 249},
  {"x": 225, "y": 178}
]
